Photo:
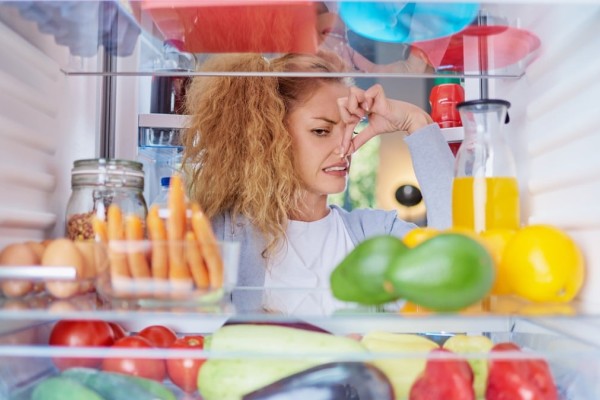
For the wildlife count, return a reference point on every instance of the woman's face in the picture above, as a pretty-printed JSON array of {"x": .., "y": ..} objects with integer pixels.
[{"x": 317, "y": 129}]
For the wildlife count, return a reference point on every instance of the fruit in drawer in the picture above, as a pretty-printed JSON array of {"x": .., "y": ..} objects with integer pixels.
[
  {"x": 158, "y": 335},
  {"x": 445, "y": 273},
  {"x": 473, "y": 344},
  {"x": 444, "y": 379},
  {"x": 150, "y": 368},
  {"x": 80, "y": 333},
  {"x": 58, "y": 388},
  {"x": 359, "y": 277},
  {"x": 518, "y": 378},
  {"x": 401, "y": 371},
  {"x": 231, "y": 378},
  {"x": 184, "y": 371}
]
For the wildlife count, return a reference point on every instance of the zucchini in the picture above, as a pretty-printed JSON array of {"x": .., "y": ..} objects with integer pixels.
[
  {"x": 59, "y": 388},
  {"x": 113, "y": 386},
  {"x": 224, "y": 379}
]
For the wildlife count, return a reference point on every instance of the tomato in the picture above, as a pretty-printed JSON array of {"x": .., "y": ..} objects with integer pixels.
[
  {"x": 80, "y": 333},
  {"x": 151, "y": 368},
  {"x": 444, "y": 379},
  {"x": 542, "y": 263},
  {"x": 158, "y": 335},
  {"x": 519, "y": 379},
  {"x": 118, "y": 331},
  {"x": 184, "y": 372}
]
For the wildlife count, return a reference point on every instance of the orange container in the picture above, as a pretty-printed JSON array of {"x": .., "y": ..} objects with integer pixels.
[{"x": 267, "y": 26}]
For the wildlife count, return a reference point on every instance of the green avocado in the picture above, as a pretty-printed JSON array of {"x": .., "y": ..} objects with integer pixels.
[
  {"x": 359, "y": 277},
  {"x": 445, "y": 273}
]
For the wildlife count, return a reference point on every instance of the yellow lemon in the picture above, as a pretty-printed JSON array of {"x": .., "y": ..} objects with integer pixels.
[
  {"x": 495, "y": 240},
  {"x": 418, "y": 236},
  {"x": 543, "y": 264}
]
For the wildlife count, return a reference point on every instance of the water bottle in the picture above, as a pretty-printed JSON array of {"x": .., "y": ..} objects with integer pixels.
[{"x": 162, "y": 197}]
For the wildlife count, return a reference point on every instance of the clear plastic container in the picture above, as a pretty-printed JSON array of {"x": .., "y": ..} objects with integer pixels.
[
  {"x": 96, "y": 184},
  {"x": 144, "y": 273}
]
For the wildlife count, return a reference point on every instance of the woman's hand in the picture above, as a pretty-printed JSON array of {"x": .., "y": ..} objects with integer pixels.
[{"x": 385, "y": 115}]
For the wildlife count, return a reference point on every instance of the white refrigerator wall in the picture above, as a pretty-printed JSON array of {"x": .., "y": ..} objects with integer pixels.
[
  {"x": 47, "y": 120},
  {"x": 555, "y": 126}
]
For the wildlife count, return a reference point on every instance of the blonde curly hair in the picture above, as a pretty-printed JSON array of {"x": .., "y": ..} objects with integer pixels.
[{"x": 237, "y": 149}]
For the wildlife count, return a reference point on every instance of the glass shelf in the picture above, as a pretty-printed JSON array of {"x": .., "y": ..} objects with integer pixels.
[{"x": 172, "y": 38}]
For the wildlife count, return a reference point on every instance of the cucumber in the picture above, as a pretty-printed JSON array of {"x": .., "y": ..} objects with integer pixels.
[
  {"x": 160, "y": 391},
  {"x": 59, "y": 388},
  {"x": 115, "y": 386}
]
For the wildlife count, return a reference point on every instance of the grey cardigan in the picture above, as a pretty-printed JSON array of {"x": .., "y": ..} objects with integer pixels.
[{"x": 433, "y": 164}]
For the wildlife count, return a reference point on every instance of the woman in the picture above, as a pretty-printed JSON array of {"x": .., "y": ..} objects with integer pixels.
[{"x": 265, "y": 152}]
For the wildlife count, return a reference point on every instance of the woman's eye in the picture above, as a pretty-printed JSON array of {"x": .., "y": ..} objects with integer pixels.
[{"x": 320, "y": 132}]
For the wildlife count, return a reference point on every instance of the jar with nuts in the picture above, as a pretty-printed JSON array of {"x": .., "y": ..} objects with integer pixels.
[{"x": 95, "y": 185}]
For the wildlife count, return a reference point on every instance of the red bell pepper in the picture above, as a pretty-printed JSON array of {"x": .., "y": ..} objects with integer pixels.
[
  {"x": 519, "y": 379},
  {"x": 444, "y": 379}
]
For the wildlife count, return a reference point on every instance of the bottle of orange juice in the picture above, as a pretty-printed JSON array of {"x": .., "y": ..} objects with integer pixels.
[{"x": 485, "y": 192}]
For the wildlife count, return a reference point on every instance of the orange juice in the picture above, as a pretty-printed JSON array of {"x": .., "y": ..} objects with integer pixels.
[{"x": 480, "y": 204}]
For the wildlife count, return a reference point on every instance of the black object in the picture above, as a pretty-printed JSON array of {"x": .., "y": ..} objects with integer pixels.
[
  {"x": 332, "y": 381},
  {"x": 168, "y": 94},
  {"x": 408, "y": 195}
]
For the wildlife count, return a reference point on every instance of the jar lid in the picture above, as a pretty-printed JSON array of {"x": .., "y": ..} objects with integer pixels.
[{"x": 108, "y": 166}]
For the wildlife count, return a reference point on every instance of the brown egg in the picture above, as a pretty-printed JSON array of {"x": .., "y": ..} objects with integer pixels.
[
  {"x": 63, "y": 252},
  {"x": 38, "y": 248},
  {"x": 17, "y": 254}
]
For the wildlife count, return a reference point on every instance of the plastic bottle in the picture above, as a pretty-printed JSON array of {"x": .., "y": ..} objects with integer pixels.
[{"x": 162, "y": 197}]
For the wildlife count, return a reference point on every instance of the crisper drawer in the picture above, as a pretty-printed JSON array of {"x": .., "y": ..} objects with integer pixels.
[{"x": 365, "y": 357}]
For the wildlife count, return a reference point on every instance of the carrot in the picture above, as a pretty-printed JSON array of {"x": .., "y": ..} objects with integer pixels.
[
  {"x": 208, "y": 245},
  {"x": 100, "y": 230},
  {"x": 158, "y": 235},
  {"x": 117, "y": 258},
  {"x": 134, "y": 233},
  {"x": 195, "y": 262},
  {"x": 176, "y": 224}
]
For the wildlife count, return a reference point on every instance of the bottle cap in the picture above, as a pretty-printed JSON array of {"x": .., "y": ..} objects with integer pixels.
[{"x": 165, "y": 181}]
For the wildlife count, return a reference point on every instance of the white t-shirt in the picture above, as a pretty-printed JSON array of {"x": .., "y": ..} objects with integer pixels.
[{"x": 311, "y": 252}]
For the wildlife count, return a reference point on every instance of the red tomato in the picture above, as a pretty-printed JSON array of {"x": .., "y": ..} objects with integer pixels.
[
  {"x": 83, "y": 334},
  {"x": 158, "y": 335},
  {"x": 184, "y": 372},
  {"x": 151, "y": 368},
  {"x": 519, "y": 379},
  {"x": 118, "y": 331},
  {"x": 444, "y": 379}
]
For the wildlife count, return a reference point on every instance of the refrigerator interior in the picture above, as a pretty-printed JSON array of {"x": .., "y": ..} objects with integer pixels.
[{"x": 64, "y": 100}]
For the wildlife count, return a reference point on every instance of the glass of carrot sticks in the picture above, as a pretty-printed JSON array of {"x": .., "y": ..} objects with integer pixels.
[{"x": 174, "y": 259}]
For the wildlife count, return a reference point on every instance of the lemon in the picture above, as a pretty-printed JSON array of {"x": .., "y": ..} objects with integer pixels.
[
  {"x": 495, "y": 240},
  {"x": 543, "y": 264},
  {"x": 419, "y": 235}
]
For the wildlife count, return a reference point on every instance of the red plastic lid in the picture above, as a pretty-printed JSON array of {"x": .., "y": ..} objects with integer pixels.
[{"x": 503, "y": 46}]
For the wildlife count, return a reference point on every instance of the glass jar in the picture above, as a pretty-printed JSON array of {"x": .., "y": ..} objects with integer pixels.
[
  {"x": 96, "y": 184},
  {"x": 485, "y": 193}
]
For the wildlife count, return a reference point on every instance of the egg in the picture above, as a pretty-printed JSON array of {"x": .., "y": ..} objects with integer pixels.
[
  {"x": 38, "y": 248},
  {"x": 64, "y": 252},
  {"x": 17, "y": 254}
]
